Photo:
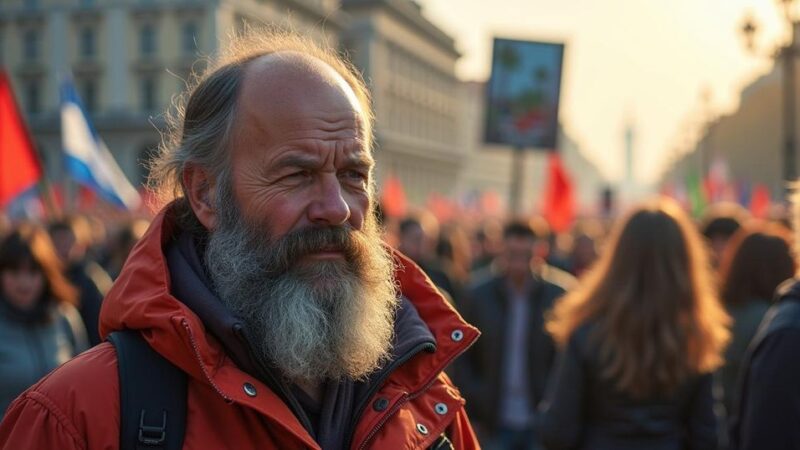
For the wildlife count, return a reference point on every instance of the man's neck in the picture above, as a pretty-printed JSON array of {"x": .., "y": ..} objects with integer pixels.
[{"x": 311, "y": 388}]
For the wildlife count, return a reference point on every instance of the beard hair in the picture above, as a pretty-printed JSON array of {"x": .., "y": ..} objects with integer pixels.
[{"x": 312, "y": 320}]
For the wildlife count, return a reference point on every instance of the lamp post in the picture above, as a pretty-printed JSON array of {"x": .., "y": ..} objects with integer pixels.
[{"x": 786, "y": 54}]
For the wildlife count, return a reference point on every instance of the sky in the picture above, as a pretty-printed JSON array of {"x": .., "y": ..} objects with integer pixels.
[{"x": 650, "y": 63}]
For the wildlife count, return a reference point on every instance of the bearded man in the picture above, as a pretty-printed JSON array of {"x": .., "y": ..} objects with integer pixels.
[{"x": 266, "y": 281}]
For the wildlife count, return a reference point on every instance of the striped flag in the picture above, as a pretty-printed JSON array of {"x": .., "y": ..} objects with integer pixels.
[{"x": 87, "y": 158}]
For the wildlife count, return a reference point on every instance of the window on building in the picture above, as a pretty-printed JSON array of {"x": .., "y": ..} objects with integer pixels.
[
  {"x": 30, "y": 44},
  {"x": 148, "y": 94},
  {"x": 31, "y": 4},
  {"x": 87, "y": 42},
  {"x": 147, "y": 40},
  {"x": 89, "y": 94},
  {"x": 189, "y": 38},
  {"x": 33, "y": 97},
  {"x": 87, "y": 2}
]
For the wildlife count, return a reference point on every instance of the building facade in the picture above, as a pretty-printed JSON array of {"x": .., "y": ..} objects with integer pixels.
[
  {"x": 409, "y": 65},
  {"x": 128, "y": 58},
  {"x": 750, "y": 140}
]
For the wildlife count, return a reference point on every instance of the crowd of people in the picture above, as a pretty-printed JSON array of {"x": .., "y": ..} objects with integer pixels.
[
  {"x": 631, "y": 330},
  {"x": 269, "y": 286},
  {"x": 597, "y": 338}
]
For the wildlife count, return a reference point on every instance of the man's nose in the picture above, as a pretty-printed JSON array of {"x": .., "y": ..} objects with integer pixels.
[{"x": 329, "y": 207}]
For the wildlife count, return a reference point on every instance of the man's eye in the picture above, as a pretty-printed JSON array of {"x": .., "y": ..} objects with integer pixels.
[
  {"x": 299, "y": 175},
  {"x": 355, "y": 175}
]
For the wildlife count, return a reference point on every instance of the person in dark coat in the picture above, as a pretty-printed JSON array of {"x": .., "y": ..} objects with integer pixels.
[
  {"x": 71, "y": 237},
  {"x": 639, "y": 340},
  {"x": 767, "y": 413},
  {"x": 418, "y": 245},
  {"x": 758, "y": 261},
  {"x": 504, "y": 375}
]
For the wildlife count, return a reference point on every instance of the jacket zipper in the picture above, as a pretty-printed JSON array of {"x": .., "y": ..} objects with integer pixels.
[
  {"x": 294, "y": 405},
  {"x": 200, "y": 361},
  {"x": 378, "y": 383},
  {"x": 408, "y": 397},
  {"x": 303, "y": 418}
]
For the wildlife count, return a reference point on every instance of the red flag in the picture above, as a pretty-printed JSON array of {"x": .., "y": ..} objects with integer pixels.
[
  {"x": 491, "y": 204},
  {"x": 19, "y": 167},
  {"x": 558, "y": 205},
  {"x": 441, "y": 207},
  {"x": 759, "y": 203},
  {"x": 393, "y": 197}
]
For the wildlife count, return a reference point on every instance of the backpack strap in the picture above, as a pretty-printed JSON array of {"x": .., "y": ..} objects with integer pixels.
[{"x": 152, "y": 396}]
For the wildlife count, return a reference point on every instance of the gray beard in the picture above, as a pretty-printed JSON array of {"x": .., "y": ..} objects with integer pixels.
[{"x": 313, "y": 320}]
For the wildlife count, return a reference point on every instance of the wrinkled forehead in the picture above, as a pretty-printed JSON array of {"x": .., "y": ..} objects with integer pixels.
[{"x": 291, "y": 85}]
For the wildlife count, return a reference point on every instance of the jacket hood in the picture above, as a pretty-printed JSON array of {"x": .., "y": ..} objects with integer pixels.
[{"x": 141, "y": 299}]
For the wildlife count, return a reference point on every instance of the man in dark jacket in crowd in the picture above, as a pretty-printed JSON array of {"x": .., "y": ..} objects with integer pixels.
[
  {"x": 768, "y": 412},
  {"x": 504, "y": 375},
  {"x": 415, "y": 243},
  {"x": 71, "y": 238}
]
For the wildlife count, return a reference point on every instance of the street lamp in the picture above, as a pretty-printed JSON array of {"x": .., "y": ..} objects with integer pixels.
[{"x": 786, "y": 53}]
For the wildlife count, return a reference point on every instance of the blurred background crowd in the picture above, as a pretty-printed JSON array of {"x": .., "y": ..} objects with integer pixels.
[{"x": 645, "y": 282}]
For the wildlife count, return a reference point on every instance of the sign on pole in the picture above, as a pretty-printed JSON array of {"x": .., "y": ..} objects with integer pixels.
[{"x": 523, "y": 94}]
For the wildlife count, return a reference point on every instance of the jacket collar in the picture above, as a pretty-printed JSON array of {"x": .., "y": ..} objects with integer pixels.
[{"x": 788, "y": 290}]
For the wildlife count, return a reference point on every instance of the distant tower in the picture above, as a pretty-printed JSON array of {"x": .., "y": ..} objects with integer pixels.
[{"x": 629, "y": 153}]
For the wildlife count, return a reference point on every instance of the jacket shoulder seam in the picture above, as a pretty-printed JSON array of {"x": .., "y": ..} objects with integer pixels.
[{"x": 53, "y": 409}]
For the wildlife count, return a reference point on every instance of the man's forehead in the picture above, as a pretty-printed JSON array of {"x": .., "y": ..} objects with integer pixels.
[{"x": 282, "y": 77}]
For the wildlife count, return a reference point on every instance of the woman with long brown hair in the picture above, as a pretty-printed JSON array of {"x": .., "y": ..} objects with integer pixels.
[
  {"x": 639, "y": 340},
  {"x": 39, "y": 325}
]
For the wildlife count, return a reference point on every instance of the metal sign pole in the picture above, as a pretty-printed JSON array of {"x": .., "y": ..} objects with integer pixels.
[{"x": 517, "y": 173}]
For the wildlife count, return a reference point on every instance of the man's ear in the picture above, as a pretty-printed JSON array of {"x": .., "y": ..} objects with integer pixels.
[{"x": 200, "y": 193}]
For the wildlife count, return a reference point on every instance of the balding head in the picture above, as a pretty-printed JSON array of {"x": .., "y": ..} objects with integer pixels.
[
  {"x": 281, "y": 88},
  {"x": 285, "y": 72}
]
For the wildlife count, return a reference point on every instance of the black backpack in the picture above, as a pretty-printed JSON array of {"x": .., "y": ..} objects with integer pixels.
[{"x": 152, "y": 395}]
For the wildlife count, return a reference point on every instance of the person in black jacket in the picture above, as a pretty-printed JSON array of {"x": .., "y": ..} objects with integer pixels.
[
  {"x": 758, "y": 259},
  {"x": 71, "y": 237},
  {"x": 768, "y": 412},
  {"x": 639, "y": 340},
  {"x": 504, "y": 375}
]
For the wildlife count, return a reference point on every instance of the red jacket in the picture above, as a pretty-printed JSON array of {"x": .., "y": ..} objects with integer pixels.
[{"x": 77, "y": 405}]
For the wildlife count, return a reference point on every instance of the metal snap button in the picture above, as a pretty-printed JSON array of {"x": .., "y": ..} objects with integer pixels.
[
  {"x": 422, "y": 429},
  {"x": 457, "y": 335},
  {"x": 380, "y": 404},
  {"x": 250, "y": 390},
  {"x": 440, "y": 408}
]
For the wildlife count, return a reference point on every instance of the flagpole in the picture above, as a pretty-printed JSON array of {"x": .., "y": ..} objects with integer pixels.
[
  {"x": 44, "y": 183},
  {"x": 517, "y": 173}
]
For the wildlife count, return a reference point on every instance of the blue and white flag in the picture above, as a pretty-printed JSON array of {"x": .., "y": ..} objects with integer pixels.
[{"x": 87, "y": 158}]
